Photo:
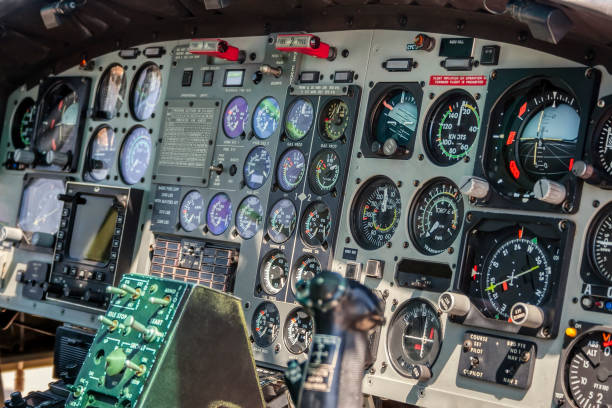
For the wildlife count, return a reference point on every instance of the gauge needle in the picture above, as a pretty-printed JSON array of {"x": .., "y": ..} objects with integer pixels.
[
  {"x": 492, "y": 286},
  {"x": 386, "y": 105},
  {"x": 460, "y": 113},
  {"x": 385, "y": 199},
  {"x": 433, "y": 228},
  {"x": 535, "y": 147}
]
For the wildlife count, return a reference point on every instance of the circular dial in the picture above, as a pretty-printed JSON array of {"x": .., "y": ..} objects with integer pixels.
[
  {"x": 291, "y": 169},
  {"x": 101, "y": 155},
  {"x": 298, "y": 331},
  {"x": 265, "y": 324},
  {"x": 266, "y": 117},
  {"x": 60, "y": 111},
  {"x": 192, "y": 211},
  {"x": 135, "y": 155},
  {"x": 281, "y": 221},
  {"x": 588, "y": 369},
  {"x": 299, "y": 119},
  {"x": 414, "y": 337},
  {"x": 111, "y": 92},
  {"x": 316, "y": 224},
  {"x": 305, "y": 269},
  {"x": 334, "y": 119},
  {"x": 22, "y": 127},
  {"x": 324, "y": 171},
  {"x": 601, "y": 244},
  {"x": 257, "y": 168},
  {"x": 437, "y": 216},
  {"x": 517, "y": 270},
  {"x": 602, "y": 146},
  {"x": 249, "y": 217},
  {"x": 452, "y": 128},
  {"x": 375, "y": 213},
  {"x": 146, "y": 91},
  {"x": 273, "y": 272},
  {"x": 395, "y": 117},
  {"x": 235, "y": 117},
  {"x": 219, "y": 214},
  {"x": 40, "y": 209}
]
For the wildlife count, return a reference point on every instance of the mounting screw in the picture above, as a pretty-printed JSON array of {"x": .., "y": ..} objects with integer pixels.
[
  {"x": 405, "y": 245},
  {"x": 493, "y": 74},
  {"x": 415, "y": 183},
  {"x": 394, "y": 302},
  {"x": 385, "y": 293},
  {"x": 432, "y": 95},
  {"x": 450, "y": 250},
  {"x": 399, "y": 183},
  {"x": 601, "y": 103},
  {"x": 468, "y": 217},
  {"x": 420, "y": 156},
  {"x": 358, "y": 180},
  {"x": 477, "y": 96},
  {"x": 347, "y": 240},
  {"x": 562, "y": 225},
  {"x": 388, "y": 244},
  {"x": 595, "y": 203}
]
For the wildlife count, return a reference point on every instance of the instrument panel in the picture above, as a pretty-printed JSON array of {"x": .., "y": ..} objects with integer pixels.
[{"x": 473, "y": 201}]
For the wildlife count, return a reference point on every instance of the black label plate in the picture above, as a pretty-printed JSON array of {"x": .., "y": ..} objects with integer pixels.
[{"x": 498, "y": 360}]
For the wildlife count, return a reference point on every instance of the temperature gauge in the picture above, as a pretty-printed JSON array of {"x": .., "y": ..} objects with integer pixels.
[
  {"x": 298, "y": 331},
  {"x": 334, "y": 120},
  {"x": 324, "y": 171},
  {"x": 249, "y": 217},
  {"x": 316, "y": 224},
  {"x": 192, "y": 211},
  {"x": 291, "y": 169},
  {"x": 299, "y": 119},
  {"x": 306, "y": 268},
  {"x": 265, "y": 324},
  {"x": 219, "y": 214},
  {"x": 273, "y": 272},
  {"x": 281, "y": 221}
]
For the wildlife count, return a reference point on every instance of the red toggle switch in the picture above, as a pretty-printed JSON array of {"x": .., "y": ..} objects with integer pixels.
[
  {"x": 216, "y": 47},
  {"x": 308, "y": 44}
]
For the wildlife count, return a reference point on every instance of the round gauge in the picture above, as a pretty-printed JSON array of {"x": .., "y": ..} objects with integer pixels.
[
  {"x": 299, "y": 119},
  {"x": 146, "y": 90},
  {"x": 334, "y": 120},
  {"x": 316, "y": 224},
  {"x": 305, "y": 269},
  {"x": 111, "y": 92},
  {"x": 324, "y": 171},
  {"x": 219, "y": 214},
  {"x": 265, "y": 324},
  {"x": 452, "y": 128},
  {"x": 298, "y": 331},
  {"x": 22, "y": 127},
  {"x": 191, "y": 212},
  {"x": 273, "y": 272},
  {"x": 281, "y": 221},
  {"x": 101, "y": 154},
  {"x": 518, "y": 269},
  {"x": 257, "y": 168},
  {"x": 601, "y": 244},
  {"x": 414, "y": 337},
  {"x": 40, "y": 209},
  {"x": 587, "y": 369},
  {"x": 266, "y": 117},
  {"x": 395, "y": 120},
  {"x": 437, "y": 215},
  {"x": 375, "y": 213},
  {"x": 602, "y": 145},
  {"x": 249, "y": 217},
  {"x": 60, "y": 111},
  {"x": 291, "y": 169},
  {"x": 235, "y": 117},
  {"x": 135, "y": 155}
]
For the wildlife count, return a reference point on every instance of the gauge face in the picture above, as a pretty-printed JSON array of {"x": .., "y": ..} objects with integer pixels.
[
  {"x": 324, "y": 171},
  {"x": 111, "y": 92},
  {"x": 265, "y": 324},
  {"x": 334, "y": 120},
  {"x": 517, "y": 270},
  {"x": 414, "y": 337},
  {"x": 266, "y": 118},
  {"x": 135, "y": 155},
  {"x": 235, "y": 117},
  {"x": 375, "y": 213},
  {"x": 146, "y": 91},
  {"x": 59, "y": 119},
  {"x": 102, "y": 149},
  {"x": 533, "y": 135},
  {"x": 273, "y": 272},
  {"x": 191, "y": 212},
  {"x": 249, "y": 217},
  {"x": 299, "y": 119},
  {"x": 588, "y": 370},
  {"x": 257, "y": 168},
  {"x": 22, "y": 128},
  {"x": 219, "y": 214},
  {"x": 316, "y": 224},
  {"x": 40, "y": 210},
  {"x": 306, "y": 268},
  {"x": 437, "y": 216},
  {"x": 601, "y": 245},
  {"x": 602, "y": 150},
  {"x": 298, "y": 331},
  {"x": 282, "y": 220},
  {"x": 396, "y": 117},
  {"x": 453, "y": 127},
  {"x": 291, "y": 169}
]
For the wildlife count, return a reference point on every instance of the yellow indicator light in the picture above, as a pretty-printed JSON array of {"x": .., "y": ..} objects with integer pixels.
[{"x": 571, "y": 332}]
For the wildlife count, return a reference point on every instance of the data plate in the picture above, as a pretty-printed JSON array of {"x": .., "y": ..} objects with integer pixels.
[{"x": 498, "y": 360}]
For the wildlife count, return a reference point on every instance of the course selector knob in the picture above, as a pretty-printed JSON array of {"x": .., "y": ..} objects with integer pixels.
[
  {"x": 526, "y": 315},
  {"x": 24, "y": 156},
  {"x": 10, "y": 234},
  {"x": 549, "y": 191},
  {"x": 454, "y": 303},
  {"x": 474, "y": 187}
]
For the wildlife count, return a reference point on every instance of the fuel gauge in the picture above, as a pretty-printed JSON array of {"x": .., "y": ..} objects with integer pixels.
[
  {"x": 298, "y": 331},
  {"x": 265, "y": 324}
]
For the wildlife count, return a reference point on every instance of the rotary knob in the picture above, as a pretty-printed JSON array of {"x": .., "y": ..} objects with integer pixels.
[
  {"x": 10, "y": 234},
  {"x": 59, "y": 159},
  {"x": 526, "y": 315},
  {"x": 474, "y": 187},
  {"x": 454, "y": 303},
  {"x": 24, "y": 156},
  {"x": 389, "y": 147},
  {"x": 549, "y": 191}
]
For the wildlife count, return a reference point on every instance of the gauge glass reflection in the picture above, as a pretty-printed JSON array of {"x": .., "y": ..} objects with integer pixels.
[
  {"x": 146, "y": 91},
  {"x": 41, "y": 210},
  {"x": 102, "y": 150}
]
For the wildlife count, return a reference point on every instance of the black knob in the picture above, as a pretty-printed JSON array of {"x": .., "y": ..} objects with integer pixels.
[
  {"x": 57, "y": 158},
  {"x": 233, "y": 169},
  {"x": 16, "y": 401},
  {"x": 257, "y": 77},
  {"x": 24, "y": 156}
]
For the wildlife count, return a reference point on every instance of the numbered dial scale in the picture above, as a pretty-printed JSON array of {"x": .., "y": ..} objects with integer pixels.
[
  {"x": 191, "y": 213},
  {"x": 316, "y": 224},
  {"x": 219, "y": 214},
  {"x": 334, "y": 120},
  {"x": 282, "y": 221},
  {"x": 249, "y": 217},
  {"x": 600, "y": 245},
  {"x": 299, "y": 119},
  {"x": 265, "y": 324},
  {"x": 394, "y": 120},
  {"x": 306, "y": 268},
  {"x": 257, "y": 167},
  {"x": 274, "y": 272},
  {"x": 297, "y": 331},
  {"x": 324, "y": 171},
  {"x": 291, "y": 169}
]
